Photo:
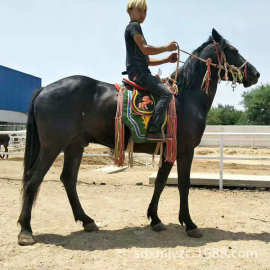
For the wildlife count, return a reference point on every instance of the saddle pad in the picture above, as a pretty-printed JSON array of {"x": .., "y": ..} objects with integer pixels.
[
  {"x": 142, "y": 103},
  {"x": 138, "y": 108}
]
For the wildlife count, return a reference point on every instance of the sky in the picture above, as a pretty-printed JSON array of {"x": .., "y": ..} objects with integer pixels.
[{"x": 54, "y": 39}]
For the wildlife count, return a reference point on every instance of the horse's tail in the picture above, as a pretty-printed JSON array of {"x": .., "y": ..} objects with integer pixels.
[{"x": 32, "y": 144}]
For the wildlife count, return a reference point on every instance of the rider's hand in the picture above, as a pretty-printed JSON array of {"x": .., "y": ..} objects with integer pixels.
[
  {"x": 172, "y": 46},
  {"x": 172, "y": 58}
]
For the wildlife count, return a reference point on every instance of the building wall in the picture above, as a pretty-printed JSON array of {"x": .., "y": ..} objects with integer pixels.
[
  {"x": 12, "y": 117},
  {"x": 16, "y": 89}
]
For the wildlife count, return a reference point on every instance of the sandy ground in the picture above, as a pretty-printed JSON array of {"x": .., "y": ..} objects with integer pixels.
[{"x": 235, "y": 223}]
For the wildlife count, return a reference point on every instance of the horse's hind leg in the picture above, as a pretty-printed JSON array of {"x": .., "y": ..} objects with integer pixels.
[
  {"x": 72, "y": 161},
  {"x": 44, "y": 161}
]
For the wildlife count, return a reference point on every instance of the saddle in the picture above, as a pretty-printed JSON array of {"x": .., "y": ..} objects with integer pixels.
[
  {"x": 142, "y": 102},
  {"x": 135, "y": 108}
]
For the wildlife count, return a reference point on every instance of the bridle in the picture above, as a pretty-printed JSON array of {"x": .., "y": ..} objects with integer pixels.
[
  {"x": 223, "y": 64},
  {"x": 236, "y": 72}
]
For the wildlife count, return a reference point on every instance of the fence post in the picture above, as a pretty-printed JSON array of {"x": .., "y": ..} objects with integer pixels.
[{"x": 221, "y": 162}]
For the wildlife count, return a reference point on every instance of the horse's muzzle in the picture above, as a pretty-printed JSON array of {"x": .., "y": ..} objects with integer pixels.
[{"x": 252, "y": 76}]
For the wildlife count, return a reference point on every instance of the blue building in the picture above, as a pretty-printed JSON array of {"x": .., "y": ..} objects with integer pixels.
[{"x": 16, "y": 89}]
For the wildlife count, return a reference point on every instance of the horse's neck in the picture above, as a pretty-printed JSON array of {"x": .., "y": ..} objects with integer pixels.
[{"x": 190, "y": 78}]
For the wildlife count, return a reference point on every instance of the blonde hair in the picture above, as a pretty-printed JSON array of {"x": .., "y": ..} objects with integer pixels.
[{"x": 140, "y": 4}]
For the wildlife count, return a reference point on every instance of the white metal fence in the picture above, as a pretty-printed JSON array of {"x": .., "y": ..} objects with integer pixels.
[
  {"x": 221, "y": 156},
  {"x": 13, "y": 127},
  {"x": 18, "y": 141},
  {"x": 236, "y": 139}
]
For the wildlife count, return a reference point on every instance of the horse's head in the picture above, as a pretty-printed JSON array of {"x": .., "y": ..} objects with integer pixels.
[{"x": 226, "y": 55}]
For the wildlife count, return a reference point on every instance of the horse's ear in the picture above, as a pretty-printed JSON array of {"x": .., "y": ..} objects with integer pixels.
[{"x": 216, "y": 36}]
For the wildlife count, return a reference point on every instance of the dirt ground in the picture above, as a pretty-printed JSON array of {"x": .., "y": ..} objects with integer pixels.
[{"x": 235, "y": 223}]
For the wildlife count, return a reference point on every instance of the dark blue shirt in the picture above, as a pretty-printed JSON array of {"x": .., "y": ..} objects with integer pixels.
[{"x": 136, "y": 61}]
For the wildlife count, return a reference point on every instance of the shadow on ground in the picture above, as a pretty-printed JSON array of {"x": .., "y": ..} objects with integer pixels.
[{"x": 144, "y": 237}]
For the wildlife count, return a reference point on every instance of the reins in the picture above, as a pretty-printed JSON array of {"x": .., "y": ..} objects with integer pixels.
[
  {"x": 222, "y": 64},
  {"x": 174, "y": 84}
]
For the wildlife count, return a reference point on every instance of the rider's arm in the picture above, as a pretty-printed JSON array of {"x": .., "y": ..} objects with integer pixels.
[
  {"x": 156, "y": 62},
  {"x": 170, "y": 59},
  {"x": 147, "y": 49}
]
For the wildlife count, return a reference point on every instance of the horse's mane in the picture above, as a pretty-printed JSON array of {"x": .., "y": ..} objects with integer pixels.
[
  {"x": 206, "y": 43},
  {"x": 186, "y": 72}
]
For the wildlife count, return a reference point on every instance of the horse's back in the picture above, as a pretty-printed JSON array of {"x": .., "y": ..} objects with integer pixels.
[
  {"x": 70, "y": 95},
  {"x": 72, "y": 106},
  {"x": 67, "y": 88}
]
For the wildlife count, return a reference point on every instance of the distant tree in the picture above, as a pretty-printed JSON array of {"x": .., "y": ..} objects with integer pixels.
[
  {"x": 257, "y": 105},
  {"x": 213, "y": 117},
  {"x": 226, "y": 115},
  {"x": 243, "y": 120}
]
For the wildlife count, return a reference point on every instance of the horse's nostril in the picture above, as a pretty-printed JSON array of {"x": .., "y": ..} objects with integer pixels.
[{"x": 258, "y": 74}]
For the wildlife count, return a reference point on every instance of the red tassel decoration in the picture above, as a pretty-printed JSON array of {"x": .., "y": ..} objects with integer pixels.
[
  {"x": 171, "y": 141},
  {"x": 119, "y": 151}
]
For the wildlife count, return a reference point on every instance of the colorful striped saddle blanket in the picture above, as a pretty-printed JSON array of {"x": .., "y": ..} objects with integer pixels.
[
  {"x": 134, "y": 110},
  {"x": 138, "y": 108}
]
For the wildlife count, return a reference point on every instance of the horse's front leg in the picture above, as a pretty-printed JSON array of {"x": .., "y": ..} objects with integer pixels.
[
  {"x": 184, "y": 162},
  {"x": 160, "y": 183},
  {"x": 6, "y": 151}
]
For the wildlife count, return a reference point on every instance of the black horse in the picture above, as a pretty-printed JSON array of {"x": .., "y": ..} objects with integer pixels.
[
  {"x": 4, "y": 140},
  {"x": 75, "y": 111}
]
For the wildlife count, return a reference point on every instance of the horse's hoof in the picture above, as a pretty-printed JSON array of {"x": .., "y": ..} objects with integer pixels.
[
  {"x": 195, "y": 233},
  {"x": 26, "y": 239},
  {"x": 91, "y": 227},
  {"x": 159, "y": 227}
]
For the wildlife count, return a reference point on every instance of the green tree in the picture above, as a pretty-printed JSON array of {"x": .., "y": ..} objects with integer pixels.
[
  {"x": 213, "y": 117},
  {"x": 257, "y": 105},
  {"x": 226, "y": 115}
]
